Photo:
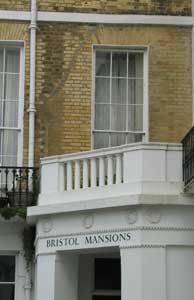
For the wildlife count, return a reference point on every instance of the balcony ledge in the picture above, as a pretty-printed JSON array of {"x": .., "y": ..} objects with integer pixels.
[
  {"x": 118, "y": 176},
  {"x": 124, "y": 201}
]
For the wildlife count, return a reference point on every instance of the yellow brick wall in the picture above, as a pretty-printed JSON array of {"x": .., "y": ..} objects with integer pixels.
[
  {"x": 15, "y": 5},
  {"x": 174, "y": 7},
  {"x": 64, "y": 89},
  {"x": 64, "y": 81},
  {"x": 158, "y": 7}
]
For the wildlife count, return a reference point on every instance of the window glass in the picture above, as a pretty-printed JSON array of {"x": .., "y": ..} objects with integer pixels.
[
  {"x": 118, "y": 109},
  {"x": 102, "y": 90},
  {"x": 101, "y": 140},
  {"x": 135, "y": 91},
  {"x": 1, "y": 59},
  {"x": 106, "y": 297},
  {"x": 118, "y": 139},
  {"x": 135, "y": 117},
  {"x": 119, "y": 64},
  {"x": 118, "y": 117},
  {"x": 7, "y": 268},
  {"x": 12, "y": 61},
  {"x": 135, "y": 65},
  {"x": 107, "y": 274},
  {"x": 7, "y": 277},
  {"x": 9, "y": 104},
  {"x": 6, "y": 292},
  {"x": 11, "y": 90},
  {"x": 103, "y": 64},
  {"x": 119, "y": 91},
  {"x": 102, "y": 120}
]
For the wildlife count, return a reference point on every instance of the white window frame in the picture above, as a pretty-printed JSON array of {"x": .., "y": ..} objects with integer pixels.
[
  {"x": 122, "y": 48},
  {"x": 20, "y": 46}
]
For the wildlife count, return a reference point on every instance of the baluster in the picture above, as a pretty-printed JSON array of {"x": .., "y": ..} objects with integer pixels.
[
  {"x": 77, "y": 175},
  {"x": 34, "y": 184},
  {"x": 1, "y": 193},
  {"x": 69, "y": 176},
  {"x": 13, "y": 186},
  {"x": 110, "y": 170},
  {"x": 20, "y": 178},
  {"x": 118, "y": 169},
  {"x": 6, "y": 179},
  {"x": 93, "y": 172},
  {"x": 85, "y": 173},
  {"x": 62, "y": 177},
  {"x": 26, "y": 187},
  {"x": 101, "y": 171}
]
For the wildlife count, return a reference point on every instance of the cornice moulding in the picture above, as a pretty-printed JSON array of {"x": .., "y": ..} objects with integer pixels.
[{"x": 68, "y": 17}]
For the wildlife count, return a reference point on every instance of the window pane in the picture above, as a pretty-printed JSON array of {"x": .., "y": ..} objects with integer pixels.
[
  {"x": 119, "y": 64},
  {"x": 7, "y": 269},
  {"x": 135, "y": 91},
  {"x": 134, "y": 138},
  {"x": 135, "y": 65},
  {"x": 1, "y": 60},
  {"x": 6, "y": 292},
  {"x": 106, "y": 298},
  {"x": 119, "y": 89},
  {"x": 102, "y": 116},
  {"x": 10, "y": 114},
  {"x": 1, "y": 86},
  {"x": 8, "y": 160},
  {"x": 107, "y": 274},
  {"x": 102, "y": 63},
  {"x": 102, "y": 90},
  {"x": 118, "y": 139},
  {"x": 118, "y": 117},
  {"x": 135, "y": 117},
  {"x": 1, "y": 113},
  {"x": 11, "y": 87},
  {"x": 12, "y": 63},
  {"x": 10, "y": 142},
  {"x": 101, "y": 140}
]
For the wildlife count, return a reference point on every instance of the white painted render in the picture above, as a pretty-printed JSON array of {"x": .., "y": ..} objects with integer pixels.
[
  {"x": 159, "y": 254},
  {"x": 11, "y": 244},
  {"x": 97, "y": 18},
  {"x": 148, "y": 207}
]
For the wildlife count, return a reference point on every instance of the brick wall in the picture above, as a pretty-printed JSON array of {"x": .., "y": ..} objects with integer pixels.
[
  {"x": 159, "y": 7},
  {"x": 14, "y": 4},
  {"x": 64, "y": 84},
  {"x": 64, "y": 68}
]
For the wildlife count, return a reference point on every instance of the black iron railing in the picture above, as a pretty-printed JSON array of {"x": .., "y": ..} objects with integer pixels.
[
  {"x": 188, "y": 156},
  {"x": 18, "y": 186}
]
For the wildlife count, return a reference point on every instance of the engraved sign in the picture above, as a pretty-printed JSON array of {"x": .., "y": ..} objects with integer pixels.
[{"x": 105, "y": 239}]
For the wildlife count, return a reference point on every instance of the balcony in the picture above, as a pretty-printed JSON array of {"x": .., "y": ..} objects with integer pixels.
[
  {"x": 18, "y": 186},
  {"x": 188, "y": 160},
  {"x": 113, "y": 175}
]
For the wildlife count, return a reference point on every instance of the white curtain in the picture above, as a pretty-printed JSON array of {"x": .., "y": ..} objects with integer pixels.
[
  {"x": 9, "y": 105},
  {"x": 118, "y": 98}
]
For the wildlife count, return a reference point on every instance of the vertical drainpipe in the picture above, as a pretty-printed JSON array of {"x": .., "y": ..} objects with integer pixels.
[{"x": 31, "y": 108}]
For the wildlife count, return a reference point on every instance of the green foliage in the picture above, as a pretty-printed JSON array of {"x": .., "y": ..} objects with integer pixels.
[
  {"x": 28, "y": 245},
  {"x": 9, "y": 212}
]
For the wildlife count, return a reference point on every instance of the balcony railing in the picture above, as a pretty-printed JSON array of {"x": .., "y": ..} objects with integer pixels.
[
  {"x": 18, "y": 186},
  {"x": 188, "y": 157},
  {"x": 123, "y": 170}
]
